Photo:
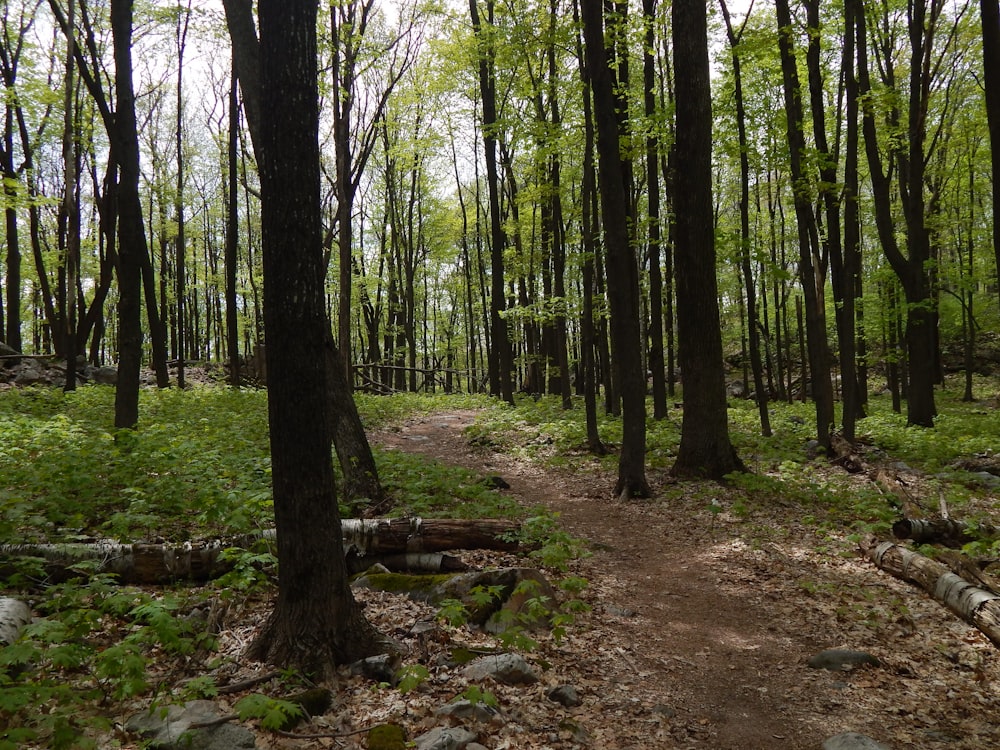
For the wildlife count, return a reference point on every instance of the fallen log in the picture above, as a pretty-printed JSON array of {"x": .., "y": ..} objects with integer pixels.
[
  {"x": 944, "y": 531},
  {"x": 974, "y": 605},
  {"x": 365, "y": 542}
]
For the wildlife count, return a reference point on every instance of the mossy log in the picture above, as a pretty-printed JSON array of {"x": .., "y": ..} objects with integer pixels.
[
  {"x": 973, "y": 604},
  {"x": 946, "y": 531},
  {"x": 397, "y": 542}
]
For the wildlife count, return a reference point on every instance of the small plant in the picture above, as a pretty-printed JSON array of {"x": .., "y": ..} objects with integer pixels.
[
  {"x": 273, "y": 713},
  {"x": 475, "y": 694},
  {"x": 411, "y": 677}
]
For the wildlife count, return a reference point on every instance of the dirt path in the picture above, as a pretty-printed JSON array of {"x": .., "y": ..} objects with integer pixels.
[{"x": 702, "y": 621}]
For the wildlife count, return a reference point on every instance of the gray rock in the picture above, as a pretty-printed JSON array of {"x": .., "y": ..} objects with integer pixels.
[
  {"x": 466, "y": 710},
  {"x": 171, "y": 728},
  {"x": 106, "y": 375},
  {"x": 564, "y": 695},
  {"x": 852, "y": 741},
  {"x": 445, "y": 738},
  {"x": 510, "y": 669},
  {"x": 14, "y": 615},
  {"x": 30, "y": 373},
  {"x": 381, "y": 668},
  {"x": 841, "y": 660},
  {"x": 988, "y": 480}
]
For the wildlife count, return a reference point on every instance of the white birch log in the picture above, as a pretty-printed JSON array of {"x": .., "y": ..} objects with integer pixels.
[
  {"x": 201, "y": 561},
  {"x": 973, "y": 604}
]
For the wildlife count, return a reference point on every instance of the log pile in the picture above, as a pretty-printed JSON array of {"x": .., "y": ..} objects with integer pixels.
[
  {"x": 401, "y": 541},
  {"x": 953, "y": 579}
]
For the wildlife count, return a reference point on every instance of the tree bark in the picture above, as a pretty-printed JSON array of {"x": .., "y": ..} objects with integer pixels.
[
  {"x": 623, "y": 281},
  {"x": 990, "y": 15},
  {"x": 974, "y": 605},
  {"x": 808, "y": 234},
  {"x": 749, "y": 285},
  {"x": 705, "y": 448},
  {"x": 316, "y": 623},
  {"x": 353, "y": 451},
  {"x": 501, "y": 356},
  {"x": 946, "y": 531}
]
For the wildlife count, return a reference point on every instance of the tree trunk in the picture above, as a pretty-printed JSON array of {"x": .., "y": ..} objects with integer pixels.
[
  {"x": 501, "y": 361},
  {"x": 990, "y": 14},
  {"x": 811, "y": 277},
  {"x": 131, "y": 232},
  {"x": 749, "y": 286},
  {"x": 232, "y": 234},
  {"x": 316, "y": 622},
  {"x": 657, "y": 364},
  {"x": 623, "y": 282},
  {"x": 705, "y": 448},
  {"x": 361, "y": 480},
  {"x": 347, "y": 428},
  {"x": 974, "y": 605}
]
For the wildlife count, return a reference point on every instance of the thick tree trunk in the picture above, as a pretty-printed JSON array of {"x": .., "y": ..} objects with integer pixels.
[
  {"x": 201, "y": 561},
  {"x": 705, "y": 448},
  {"x": 974, "y": 605},
  {"x": 316, "y": 623},
  {"x": 353, "y": 451}
]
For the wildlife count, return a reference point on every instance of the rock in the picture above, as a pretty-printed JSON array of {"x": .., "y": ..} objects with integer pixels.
[
  {"x": 986, "y": 479},
  {"x": 510, "y": 669},
  {"x": 852, "y": 741},
  {"x": 517, "y": 586},
  {"x": 466, "y": 710},
  {"x": 106, "y": 375},
  {"x": 496, "y": 483},
  {"x": 14, "y": 615},
  {"x": 387, "y": 737},
  {"x": 30, "y": 373},
  {"x": 171, "y": 728},
  {"x": 8, "y": 351},
  {"x": 445, "y": 738},
  {"x": 736, "y": 389},
  {"x": 502, "y": 612},
  {"x": 841, "y": 660},
  {"x": 564, "y": 695},
  {"x": 381, "y": 668}
]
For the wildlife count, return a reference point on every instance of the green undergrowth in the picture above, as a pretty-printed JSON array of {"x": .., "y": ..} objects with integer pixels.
[
  {"x": 783, "y": 470},
  {"x": 198, "y": 465}
]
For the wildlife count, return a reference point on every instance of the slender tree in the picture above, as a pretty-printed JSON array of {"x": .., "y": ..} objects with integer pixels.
[
  {"x": 623, "y": 281},
  {"x": 990, "y": 17}
]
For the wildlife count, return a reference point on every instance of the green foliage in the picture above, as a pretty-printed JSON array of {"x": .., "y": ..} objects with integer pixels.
[
  {"x": 411, "y": 676},
  {"x": 548, "y": 542},
  {"x": 273, "y": 713},
  {"x": 94, "y": 644},
  {"x": 476, "y": 694}
]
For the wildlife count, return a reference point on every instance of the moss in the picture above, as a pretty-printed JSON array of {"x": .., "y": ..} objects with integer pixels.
[
  {"x": 403, "y": 583},
  {"x": 387, "y": 737}
]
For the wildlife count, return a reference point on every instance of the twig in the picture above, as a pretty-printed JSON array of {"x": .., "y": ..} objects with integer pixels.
[{"x": 238, "y": 687}]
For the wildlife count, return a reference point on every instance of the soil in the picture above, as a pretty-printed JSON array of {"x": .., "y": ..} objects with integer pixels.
[{"x": 703, "y": 615}]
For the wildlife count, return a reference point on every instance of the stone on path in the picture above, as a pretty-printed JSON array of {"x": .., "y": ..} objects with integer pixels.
[{"x": 852, "y": 741}]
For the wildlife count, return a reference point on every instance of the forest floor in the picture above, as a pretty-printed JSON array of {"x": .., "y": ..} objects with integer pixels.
[{"x": 702, "y": 620}]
